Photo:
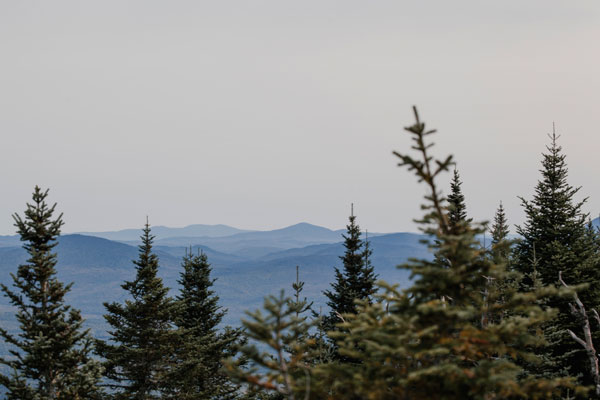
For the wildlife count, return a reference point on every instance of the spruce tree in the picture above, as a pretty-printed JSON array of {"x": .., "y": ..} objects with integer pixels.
[
  {"x": 554, "y": 234},
  {"x": 500, "y": 228},
  {"x": 140, "y": 348},
  {"x": 457, "y": 209},
  {"x": 281, "y": 364},
  {"x": 425, "y": 342},
  {"x": 355, "y": 282},
  {"x": 201, "y": 346},
  {"x": 51, "y": 355},
  {"x": 499, "y": 232},
  {"x": 428, "y": 341}
]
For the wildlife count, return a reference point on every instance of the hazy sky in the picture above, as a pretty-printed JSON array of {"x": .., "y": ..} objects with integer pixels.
[{"x": 261, "y": 114}]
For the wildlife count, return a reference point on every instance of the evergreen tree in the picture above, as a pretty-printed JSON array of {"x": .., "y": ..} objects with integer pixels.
[
  {"x": 282, "y": 363},
  {"x": 554, "y": 233},
  {"x": 499, "y": 234},
  {"x": 428, "y": 341},
  {"x": 425, "y": 342},
  {"x": 457, "y": 209},
  {"x": 301, "y": 305},
  {"x": 500, "y": 228},
  {"x": 51, "y": 354},
  {"x": 499, "y": 253},
  {"x": 355, "y": 282},
  {"x": 197, "y": 370},
  {"x": 141, "y": 334}
]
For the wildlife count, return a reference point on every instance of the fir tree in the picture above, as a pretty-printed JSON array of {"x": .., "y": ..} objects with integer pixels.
[
  {"x": 457, "y": 209},
  {"x": 499, "y": 234},
  {"x": 422, "y": 343},
  {"x": 355, "y": 282},
  {"x": 500, "y": 228},
  {"x": 427, "y": 341},
  {"x": 300, "y": 304},
  {"x": 51, "y": 356},
  {"x": 197, "y": 370},
  {"x": 282, "y": 364},
  {"x": 141, "y": 334},
  {"x": 555, "y": 231}
]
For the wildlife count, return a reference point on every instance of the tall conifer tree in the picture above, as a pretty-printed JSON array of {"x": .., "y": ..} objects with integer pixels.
[
  {"x": 428, "y": 342},
  {"x": 499, "y": 232},
  {"x": 425, "y": 342},
  {"x": 355, "y": 282},
  {"x": 141, "y": 334},
  {"x": 500, "y": 228},
  {"x": 197, "y": 370},
  {"x": 51, "y": 355},
  {"x": 554, "y": 235},
  {"x": 457, "y": 209}
]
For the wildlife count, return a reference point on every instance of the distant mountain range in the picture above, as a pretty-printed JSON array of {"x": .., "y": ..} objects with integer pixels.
[
  {"x": 248, "y": 265},
  {"x": 245, "y": 244},
  {"x": 254, "y": 264},
  {"x": 162, "y": 232}
]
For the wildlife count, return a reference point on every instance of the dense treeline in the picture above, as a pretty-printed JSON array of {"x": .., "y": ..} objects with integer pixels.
[{"x": 512, "y": 320}]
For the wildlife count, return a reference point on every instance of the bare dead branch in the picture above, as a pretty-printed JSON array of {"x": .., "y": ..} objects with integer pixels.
[
  {"x": 340, "y": 317},
  {"x": 588, "y": 343}
]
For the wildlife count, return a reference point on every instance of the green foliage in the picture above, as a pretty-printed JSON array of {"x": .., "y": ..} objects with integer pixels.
[
  {"x": 457, "y": 209},
  {"x": 50, "y": 358},
  {"x": 197, "y": 370},
  {"x": 355, "y": 282},
  {"x": 282, "y": 362},
  {"x": 428, "y": 341},
  {"x": 555, "y": 235},
  {"x": 500, "y": 228},
  {"x": 141, "y": 345},
  {"x": 499, "y": 253}
]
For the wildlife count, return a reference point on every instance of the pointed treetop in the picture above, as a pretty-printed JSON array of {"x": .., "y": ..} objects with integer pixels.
[
  {"x": 500, "y": 228},
  {"x": 457, "y": 209}
]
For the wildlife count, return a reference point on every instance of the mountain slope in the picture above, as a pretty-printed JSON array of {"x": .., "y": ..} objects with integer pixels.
[
  {"x": 161, "y": 232},
  {"x": 99, "y": 266},
  {"x": 257, "y": 244}
]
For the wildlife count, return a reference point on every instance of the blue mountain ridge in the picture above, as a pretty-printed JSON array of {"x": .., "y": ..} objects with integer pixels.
[
  {"x": 98, "y": 267},
  {"x": 161, "y": 232}
]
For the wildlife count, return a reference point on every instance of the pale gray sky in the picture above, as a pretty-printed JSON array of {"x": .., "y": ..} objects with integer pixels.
[{"x": 261, "y": 114}]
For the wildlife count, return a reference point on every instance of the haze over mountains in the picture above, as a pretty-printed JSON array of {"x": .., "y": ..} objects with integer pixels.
[
  {"x": 245, "y": 244},
  {"x": 247, "y": 264},
  {"x": 196, "y": 230}
]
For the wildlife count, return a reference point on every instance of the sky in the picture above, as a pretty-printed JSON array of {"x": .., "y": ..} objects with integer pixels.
[{"x": 265, "y": 113}]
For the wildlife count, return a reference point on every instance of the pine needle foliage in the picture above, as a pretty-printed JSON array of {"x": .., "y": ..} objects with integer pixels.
[
  {"x": 425, "y": 342},
  {"x": 281, "y": 363},
  {"x": 356, "y": 281},
  {"x": 141, "y": 341},
  {"x": 555, "y": 234},
  {"x": 457, "y": 209},
  {"x": 500, "y": 229},
  {"x": 429, "y": 341},
  {"x": 197, "y": 372},
  {"x": 51, "y": 355}
]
